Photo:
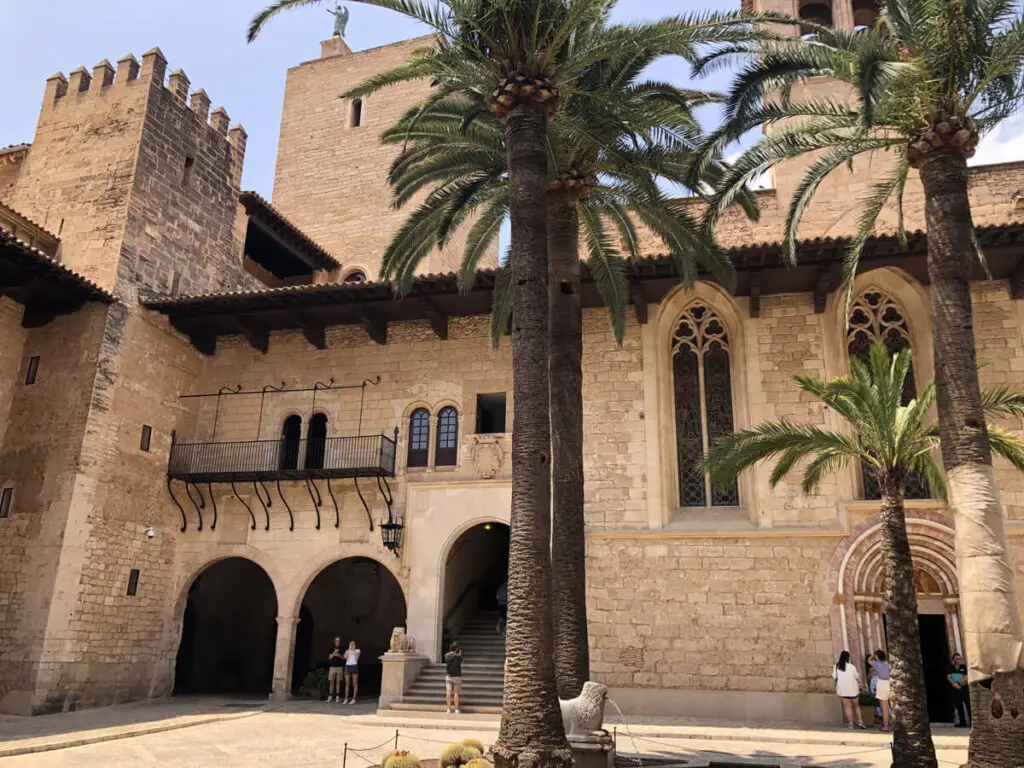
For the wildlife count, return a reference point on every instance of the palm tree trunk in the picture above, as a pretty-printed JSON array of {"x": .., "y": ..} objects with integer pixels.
[
  {"x": 993, "y": 632},
  {"x": 531, "y": 723},
  {"x": 912, "y": 736},
  {"x": 565, "y": 365}
]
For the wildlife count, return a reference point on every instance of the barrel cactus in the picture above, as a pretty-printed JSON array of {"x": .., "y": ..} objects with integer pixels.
[
  {"x": 400, "y": 758},
  {"x": 475, "y": 744},
  {"x": 456, "y": 755},
  {"x": 479, "y": 762}
]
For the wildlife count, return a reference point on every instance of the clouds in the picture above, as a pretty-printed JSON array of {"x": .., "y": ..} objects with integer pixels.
[{"x": 1003, "y": 145}]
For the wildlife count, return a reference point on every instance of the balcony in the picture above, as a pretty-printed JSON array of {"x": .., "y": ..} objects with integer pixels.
[{"x": 332, "y": 457}]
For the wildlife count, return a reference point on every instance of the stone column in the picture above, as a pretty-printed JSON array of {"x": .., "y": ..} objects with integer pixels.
[{"x": 283, "y": 655}]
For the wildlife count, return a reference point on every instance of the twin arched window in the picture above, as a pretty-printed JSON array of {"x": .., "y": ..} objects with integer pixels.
[
  {"x": 446, "y": 451},
  {"x": 877, "y": 317},
  {"x": 702, "y": 383},
  {"x": 315, "y": 450}
]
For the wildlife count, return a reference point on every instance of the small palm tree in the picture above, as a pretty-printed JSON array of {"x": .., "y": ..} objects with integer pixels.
[
  {"x": 927, "y": 81},
  {"x": 893, "y": 440}
]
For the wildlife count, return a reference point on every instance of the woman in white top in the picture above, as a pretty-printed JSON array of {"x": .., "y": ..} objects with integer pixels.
[
  {"x": 351, "y": 671},
  {"x": 848, "y": 689}
]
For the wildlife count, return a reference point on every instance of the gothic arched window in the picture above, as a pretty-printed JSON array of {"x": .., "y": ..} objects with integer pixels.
[
  {"x": 703, "y": 402},
  {"x": 419, "y": 438},
  {"x": 877, "y": 317},
  {"x": 447, "y": 450}
]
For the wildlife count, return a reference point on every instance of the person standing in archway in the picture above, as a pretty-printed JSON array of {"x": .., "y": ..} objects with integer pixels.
[
  {"x": 959, "y": 694},
  {"x": 882, "y": 672},
  {"x": 335, "y": 662},
  {"x": 502, "y": 599},
  {"x": 848, "y": 689},
  {"x": 351, "y": 671},
  {"x": 452, "y": 677}
]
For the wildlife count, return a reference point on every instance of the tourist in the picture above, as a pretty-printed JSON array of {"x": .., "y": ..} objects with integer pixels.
[
  {"x": 881, "y": 670},
  {"x": 848, "y": 689},
  {"x": 959, "y": 692},
  {"x": 335, "y": 661},
  {"x": 351, "y": 671},
  {"x": 502, "y": 598},
  {"x": 452, "y": 678}
]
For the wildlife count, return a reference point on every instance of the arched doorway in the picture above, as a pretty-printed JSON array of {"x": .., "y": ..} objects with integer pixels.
[
  {"x": 858, "y": 616},
  {"x": 228, "y": 632},
  {"x": 475, "y": 567},
  {"x": 358, "y": 599}
]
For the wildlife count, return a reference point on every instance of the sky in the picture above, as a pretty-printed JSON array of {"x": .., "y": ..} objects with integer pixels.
[{"x": 206, "y": 38}]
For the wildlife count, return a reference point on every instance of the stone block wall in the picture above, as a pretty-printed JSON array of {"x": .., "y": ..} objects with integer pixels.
[
  {"x": 12, "y": 366},
  {"x": 331, "y": 177}
]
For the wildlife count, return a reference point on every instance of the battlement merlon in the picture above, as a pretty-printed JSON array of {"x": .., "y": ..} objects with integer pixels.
[{"x": 153, "y": 71}]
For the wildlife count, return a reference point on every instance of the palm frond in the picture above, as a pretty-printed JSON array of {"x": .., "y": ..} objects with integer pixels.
[{"x": 501, "y": 304}]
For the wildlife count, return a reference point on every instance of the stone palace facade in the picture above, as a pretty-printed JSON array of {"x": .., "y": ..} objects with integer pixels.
[{"x": 216, "y": 427}]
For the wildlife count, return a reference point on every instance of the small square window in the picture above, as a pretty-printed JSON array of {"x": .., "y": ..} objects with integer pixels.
[
  {"x": 490, "y": 413},
  {"x": 33, "y": 370},
  {"x": 133, "y": 582},
  {"x": 5, "y": 501},
  {"x": 147, "y": 434}
]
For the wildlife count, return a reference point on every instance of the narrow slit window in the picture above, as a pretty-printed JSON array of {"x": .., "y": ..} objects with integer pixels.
[
  {"x": 490, "y": 413},
  {"x": 147, "y": 436},
  {"x": 133, "y": 582},
  {"x": 33, "y": 370},
  {"x": 186, "y": 173},
  {"x": 5, "y": 501},
  {"x": 356, "y": 117}
]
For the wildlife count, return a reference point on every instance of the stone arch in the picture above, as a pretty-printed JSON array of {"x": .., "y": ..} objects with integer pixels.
[
  {"x": 856, "y": 582},
  {"x": 445, "y": 551},
  {"x": 659, "y": 394},
  {"x": 201, "y": 562},
  {"x": 292, "y": 593},
  {"x": 230, "y": 593}
]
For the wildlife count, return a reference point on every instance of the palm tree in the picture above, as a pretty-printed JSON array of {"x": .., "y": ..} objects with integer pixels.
[
  {"x": 893, "y": 440},
  {"x": 607, "y": 149},
  {"x": 506, "y": 58},
  {"x": 927, "y": 81}
]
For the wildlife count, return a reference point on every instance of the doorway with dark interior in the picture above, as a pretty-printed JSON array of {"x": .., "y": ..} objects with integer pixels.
[
  {"x": 355, "y": 598},
  {"x": 935, "y": 654},
  {"x": 475, "y": 568},
  {"x": 228, "y": 631}
]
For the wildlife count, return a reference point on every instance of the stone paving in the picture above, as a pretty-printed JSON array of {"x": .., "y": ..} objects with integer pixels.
[{"x": 227, "y": 733}]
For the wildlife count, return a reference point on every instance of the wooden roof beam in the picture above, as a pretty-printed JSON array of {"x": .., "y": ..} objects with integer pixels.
[
  {"x": 822, "y": 288},
  {"x": 200, "y": 338},
  {"x": 438, "y": 319},
  {"x": 1017, "y": 281},
  {"x": 255, "y": 333},
  {"x": 755, "y": 293},
  {"x": 313, "y": 329},
  {"x": 376, "y": 325},
  {"x": 639, "y": 299}
]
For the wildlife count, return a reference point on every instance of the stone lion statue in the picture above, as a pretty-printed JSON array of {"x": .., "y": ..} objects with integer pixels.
[
  {"x": 583, "y": 716},
  {"x": 401, "y": 642}
]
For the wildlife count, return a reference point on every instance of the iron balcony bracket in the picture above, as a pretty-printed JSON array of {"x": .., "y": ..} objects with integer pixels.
[
  {"x": 363, "y": 500},
  {"x": 337, "y": 513},
  {"x": 244, "y": 504},
  {"x": 213, "y": 502},
  {"x": 200, "y": 505},
  {"x": 317, "y": 499},
  {"x": 170, "y": 492},
  {"x": 291, "y": 517}
]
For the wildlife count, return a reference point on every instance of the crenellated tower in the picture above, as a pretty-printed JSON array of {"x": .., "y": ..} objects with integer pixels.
[{"x": 138, "y": 179}]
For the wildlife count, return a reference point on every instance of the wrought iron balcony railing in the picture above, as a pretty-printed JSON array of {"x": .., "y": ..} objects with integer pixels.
[{"x": 363, "y": 456}]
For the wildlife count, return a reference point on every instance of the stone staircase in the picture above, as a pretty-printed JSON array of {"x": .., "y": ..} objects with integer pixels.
[{"x": 483, "y": 672}]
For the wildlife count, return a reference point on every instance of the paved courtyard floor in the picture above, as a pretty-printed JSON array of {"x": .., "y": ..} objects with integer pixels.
[{"x": 223, "y": 733}]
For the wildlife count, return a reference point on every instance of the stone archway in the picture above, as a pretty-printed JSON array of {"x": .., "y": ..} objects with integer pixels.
[
  {"x": 473, "y": 567},
  {"x": 355, "y": 598},
  {"x": 228, "y": 631},
  {"x": 858, "y": 601}
]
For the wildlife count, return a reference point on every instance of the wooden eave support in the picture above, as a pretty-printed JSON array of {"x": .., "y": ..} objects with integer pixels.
[
  {"x": 822, "y": 288},
  {"x": 313, "y": 329},
  {"x": 639, "y": 299},
  {"x": 755, "y": 293},
  {"x": 255, "y": 333},
  {"x": 1017, "y": 281},
  {"x": 438, "y": 319},
  {"x": 376, "y": 326}
]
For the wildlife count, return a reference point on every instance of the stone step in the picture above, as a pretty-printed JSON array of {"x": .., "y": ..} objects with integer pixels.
[
  {"x": 438, "y": 700},
  {"x": 439, "y": 709}
]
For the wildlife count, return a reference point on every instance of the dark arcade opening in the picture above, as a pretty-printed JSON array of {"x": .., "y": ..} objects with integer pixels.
[
  {"x": 228, "y": 632},
  {"x": 476, "y": 567},
  {"x": 358, "y": 599}
]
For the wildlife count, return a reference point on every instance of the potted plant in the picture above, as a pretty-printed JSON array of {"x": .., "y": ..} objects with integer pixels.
[{"x": 868, "y": 705}]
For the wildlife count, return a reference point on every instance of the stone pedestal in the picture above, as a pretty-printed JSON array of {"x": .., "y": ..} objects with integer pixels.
[
  {"x": 399, "y": 672},
  {"x": 334, "y": 46},
  {"x": 593, "y": 752}
]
